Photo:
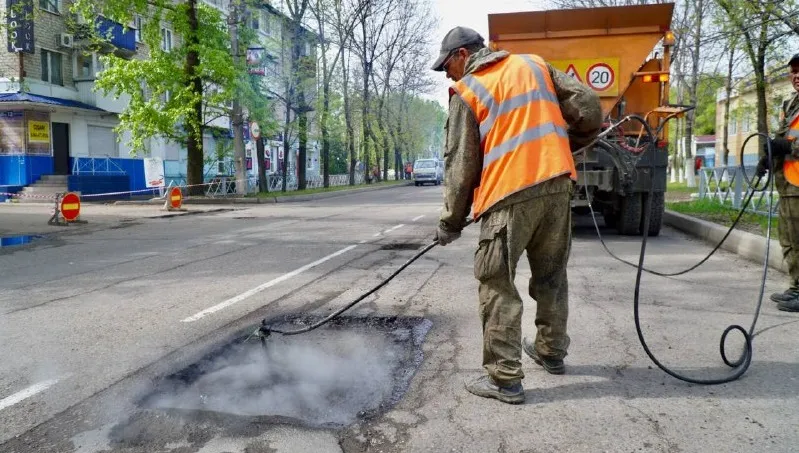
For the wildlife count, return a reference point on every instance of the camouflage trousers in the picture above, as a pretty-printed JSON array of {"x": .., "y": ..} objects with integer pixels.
[
  {"x": 789, "y": 235},
  {"x": 542, "y": 227}
]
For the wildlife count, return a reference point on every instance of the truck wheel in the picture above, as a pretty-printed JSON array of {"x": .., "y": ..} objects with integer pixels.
[
  {"x": 628, "y": 222},
  {"x": 656, "y": 213},
  {"x": 610, "y": 217}
]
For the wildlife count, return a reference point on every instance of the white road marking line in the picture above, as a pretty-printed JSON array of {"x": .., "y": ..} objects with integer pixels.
[
  {"x": 266, "y": 285},
  {"x": 377, "y": 234},
  {"x": 26, "y": 393},
  {"x": 397, "y": 227},
  {"x": 362, "y": 242},
  {"x": 417, "y": 218}
]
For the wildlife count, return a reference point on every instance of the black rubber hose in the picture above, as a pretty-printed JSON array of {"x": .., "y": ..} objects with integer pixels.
[
  {"x": 742, "y": 364},
  {"x": 264, "y": 331}
]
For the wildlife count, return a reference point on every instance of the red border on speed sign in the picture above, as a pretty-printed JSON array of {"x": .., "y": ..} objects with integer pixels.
[
  {"x": 70, "y": 206},
  {"x": 603, "y": 66},
  {"x": 175, "y": 197}
]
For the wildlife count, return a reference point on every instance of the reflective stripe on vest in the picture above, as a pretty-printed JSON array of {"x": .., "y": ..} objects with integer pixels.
[
  {"x": 522, "y": 131},
  {"x": 790, "y": 168}
]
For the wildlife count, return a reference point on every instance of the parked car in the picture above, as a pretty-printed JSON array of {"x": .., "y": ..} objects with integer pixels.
[{"x": 428, "y": 170}]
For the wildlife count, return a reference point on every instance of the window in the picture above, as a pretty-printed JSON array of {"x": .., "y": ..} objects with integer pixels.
[
  {"x": 166, "y": 40},
  {"x": 50, "y": 5},
  {"x": 745, "y": 124},
  {"x": 84, "y": 65},
  {"x": 255, "y": 21},
  {"x": 732, "y": 128},
  {"x": 137, "y": 24},
  {"x": 51, "y": 67},
  {"x": 267, "y": 25}
]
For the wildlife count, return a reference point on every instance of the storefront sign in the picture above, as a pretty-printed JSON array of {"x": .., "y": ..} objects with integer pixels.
[
  {"x": 38, "y": 132},
  {"x": 19, "y": 26}
]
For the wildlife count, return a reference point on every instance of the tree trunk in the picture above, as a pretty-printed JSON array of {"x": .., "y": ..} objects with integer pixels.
[
  {"x": 259, "y": 154},
  {"x": 365, "y": 124},
  {"x": 760, "y": 87},
  {"x": 348, "y": 121},
  {"x": 285, "y": 169},
  {"x": 325, "y": 134},
  {"x": 194, "y": 121},
  {"x": 689, "y": 121},
  {"x": 725, "y": 147},
  {"x": 302, "y": 155}
]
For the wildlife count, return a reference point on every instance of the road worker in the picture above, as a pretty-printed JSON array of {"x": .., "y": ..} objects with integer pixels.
[
  {"x": 513, "y": 122},
  {"x": 785, "y": 150}
]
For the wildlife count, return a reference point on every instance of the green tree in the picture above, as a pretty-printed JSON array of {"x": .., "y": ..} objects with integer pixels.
[
  {"x": 174, "y": 92},
  {"x": 705, "y": 117}
]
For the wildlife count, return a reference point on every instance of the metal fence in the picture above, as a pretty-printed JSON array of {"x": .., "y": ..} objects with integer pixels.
[{"x": 728, "y": 186}]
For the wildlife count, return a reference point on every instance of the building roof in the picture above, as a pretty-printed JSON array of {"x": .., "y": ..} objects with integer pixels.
[{"x": 29, "y": 98}]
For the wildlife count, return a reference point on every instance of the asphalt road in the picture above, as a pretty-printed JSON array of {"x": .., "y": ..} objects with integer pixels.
[{"x": 88, "y": 322}]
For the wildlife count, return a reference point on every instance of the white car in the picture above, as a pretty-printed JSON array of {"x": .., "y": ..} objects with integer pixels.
[{"x": 428, "y": 170}]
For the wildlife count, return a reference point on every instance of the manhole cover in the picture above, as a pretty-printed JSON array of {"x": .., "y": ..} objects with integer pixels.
[
  {"x": 349, "y": 370},
  {"x": 402, "y": 246}
]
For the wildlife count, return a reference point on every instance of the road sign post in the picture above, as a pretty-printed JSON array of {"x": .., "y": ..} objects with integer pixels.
[
  {"x": 174, "y": 200},
  {"x": 66, "y": 210}
]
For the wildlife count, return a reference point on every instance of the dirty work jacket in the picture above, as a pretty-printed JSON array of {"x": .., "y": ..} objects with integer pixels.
[{"x": 522, "y": 131}]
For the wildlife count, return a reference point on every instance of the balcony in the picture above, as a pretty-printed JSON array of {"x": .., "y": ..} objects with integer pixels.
[{"x": 116, "y": 35}]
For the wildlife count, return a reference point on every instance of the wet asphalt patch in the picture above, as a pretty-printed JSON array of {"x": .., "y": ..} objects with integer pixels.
[{"x": 352, "y": 369}]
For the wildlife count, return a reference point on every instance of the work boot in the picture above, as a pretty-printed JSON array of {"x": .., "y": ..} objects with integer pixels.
[
  {"x": 553, "y": 366},
  {"x": 486, "y": 387},
  {"x": 789, "y": 305},
  {"x": 787, "y": 296}
]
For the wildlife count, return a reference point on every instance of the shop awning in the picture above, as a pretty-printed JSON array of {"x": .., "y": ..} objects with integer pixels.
[{"x": 39, "y": 100}]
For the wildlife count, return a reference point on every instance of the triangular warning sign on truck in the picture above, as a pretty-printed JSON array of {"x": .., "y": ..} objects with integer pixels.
[{"x": 572, "y": 71}]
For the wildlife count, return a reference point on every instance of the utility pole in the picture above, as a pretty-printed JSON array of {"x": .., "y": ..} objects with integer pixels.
[{"x": 236, "y": 117}]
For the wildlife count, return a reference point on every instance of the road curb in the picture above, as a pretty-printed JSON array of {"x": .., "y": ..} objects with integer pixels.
[
  {"x": 747, "y": 245},
  {"x": 262, "y": 200}
]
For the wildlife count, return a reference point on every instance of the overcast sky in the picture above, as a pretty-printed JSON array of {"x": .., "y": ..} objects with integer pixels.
[{"x": 472, "y": 14}]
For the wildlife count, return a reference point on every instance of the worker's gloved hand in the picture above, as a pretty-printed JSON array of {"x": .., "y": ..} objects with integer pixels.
[
  {"x": 762, "y": 167},
  {"x": 444, "y": 237},
  {"x": 780, "y": 147}
]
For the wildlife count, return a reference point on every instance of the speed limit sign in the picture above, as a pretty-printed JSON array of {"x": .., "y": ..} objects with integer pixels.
[{"x": 600, "y": 76}]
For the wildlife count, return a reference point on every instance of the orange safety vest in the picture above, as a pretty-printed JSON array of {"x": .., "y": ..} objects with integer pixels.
[
  {"x": 790, "y": 168},
  {"x": 522, "y": 131}
]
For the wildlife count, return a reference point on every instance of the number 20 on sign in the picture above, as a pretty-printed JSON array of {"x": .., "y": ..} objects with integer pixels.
[{"x": 600, "y": 74}]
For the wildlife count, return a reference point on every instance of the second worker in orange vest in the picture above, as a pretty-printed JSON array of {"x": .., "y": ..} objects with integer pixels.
[{"x": 513, "y": 121}]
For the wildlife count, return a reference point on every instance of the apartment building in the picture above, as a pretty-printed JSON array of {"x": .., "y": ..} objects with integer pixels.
[
  {"x": 54, "y": 123},
  {"x": 743, "y": 117}
]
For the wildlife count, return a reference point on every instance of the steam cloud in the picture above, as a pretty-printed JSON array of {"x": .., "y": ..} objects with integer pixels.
[{"x": 316, "y": 378}]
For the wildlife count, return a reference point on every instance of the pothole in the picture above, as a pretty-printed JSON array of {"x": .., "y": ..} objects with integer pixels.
[
  {"x": 402, "y": 246},
  {"x": 351, "y": 369}
]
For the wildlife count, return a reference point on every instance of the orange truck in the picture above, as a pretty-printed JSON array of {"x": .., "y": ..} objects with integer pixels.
[{"x": 622, "y": 53}]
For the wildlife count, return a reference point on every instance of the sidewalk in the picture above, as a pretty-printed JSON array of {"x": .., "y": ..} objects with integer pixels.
[
  {"x": 747, "y": 245},
  {"x": 278, "y": 198},
  {"x": 31, "y": 219},
  {"x": 18, "y": 219}
]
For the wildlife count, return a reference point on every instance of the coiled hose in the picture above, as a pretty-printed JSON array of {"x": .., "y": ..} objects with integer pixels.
[{"x": 739, "y": 366}]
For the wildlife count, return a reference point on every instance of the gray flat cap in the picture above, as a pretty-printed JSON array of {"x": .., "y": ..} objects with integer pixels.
[{"x": 456, "y": 38}]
